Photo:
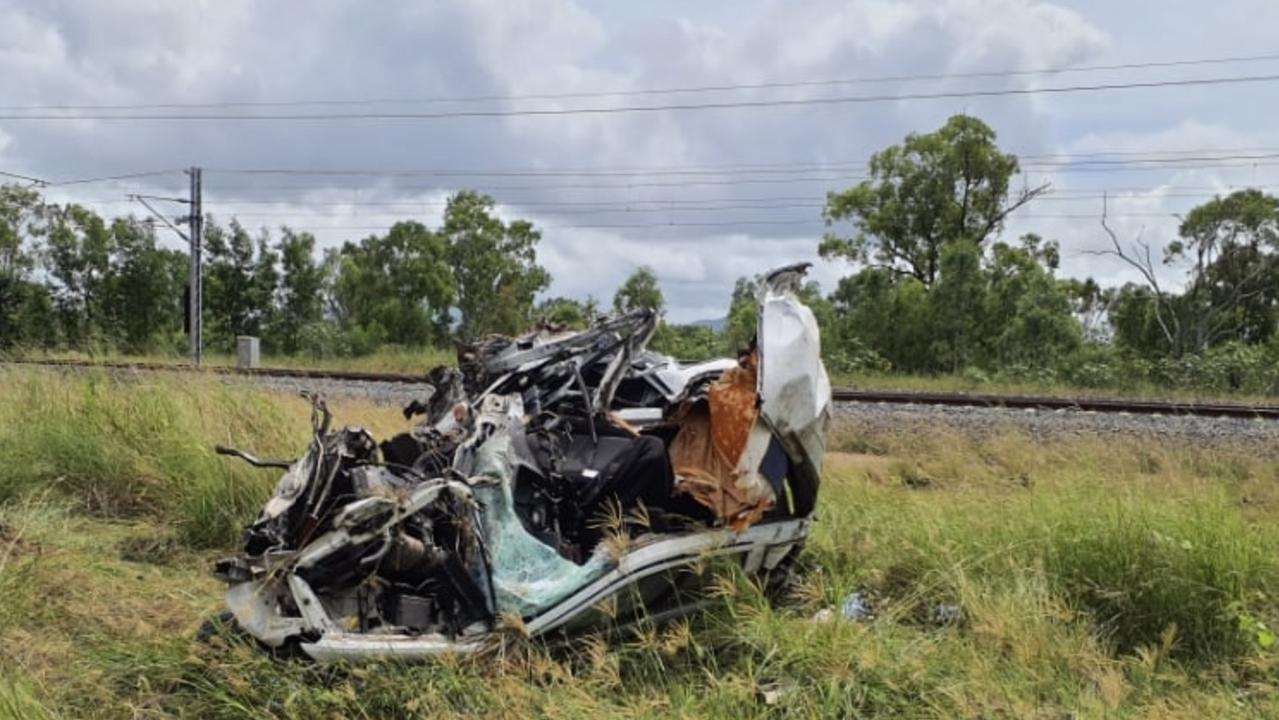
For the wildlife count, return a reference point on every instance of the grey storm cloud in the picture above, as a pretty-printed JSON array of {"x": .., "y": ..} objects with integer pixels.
[{"x": 598, "y": 228}]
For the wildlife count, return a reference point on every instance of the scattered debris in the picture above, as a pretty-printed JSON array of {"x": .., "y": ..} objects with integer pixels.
[
  {"x": 947, "y": 614},
  {"x": 772, "y": 693},
  {"x": 550, "y": 472},
  {"x": 856, "y": 606},
  {"x": 822, "y": 616}
]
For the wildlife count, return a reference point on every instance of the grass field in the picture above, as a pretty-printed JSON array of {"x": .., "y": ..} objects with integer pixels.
[{"x": 1121, "y": 578}]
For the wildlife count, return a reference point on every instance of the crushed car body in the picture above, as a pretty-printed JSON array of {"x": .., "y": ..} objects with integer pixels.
[{"x": 552, "y": 475}]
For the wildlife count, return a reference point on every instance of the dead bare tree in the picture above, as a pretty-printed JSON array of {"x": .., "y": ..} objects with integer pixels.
[{"x": 1138, "y": 257}]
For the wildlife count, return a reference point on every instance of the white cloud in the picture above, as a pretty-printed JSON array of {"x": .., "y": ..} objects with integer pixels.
[{"x": 145, "y": 51}]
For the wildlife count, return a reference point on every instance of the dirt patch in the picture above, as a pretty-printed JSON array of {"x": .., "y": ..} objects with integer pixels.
[
  {"x": 156, "y": 549},
  {"x": 12, "y": 543}
]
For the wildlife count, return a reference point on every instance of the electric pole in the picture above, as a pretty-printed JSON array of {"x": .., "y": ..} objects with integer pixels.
[
  {"x": 194, "y": 220},
  {"x": 195, "y": 227}
]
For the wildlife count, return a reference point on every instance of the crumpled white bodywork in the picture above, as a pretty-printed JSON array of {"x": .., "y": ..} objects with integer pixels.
[{"x": 794, "y": 388}]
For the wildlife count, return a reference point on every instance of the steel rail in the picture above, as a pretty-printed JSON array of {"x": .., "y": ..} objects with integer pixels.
[
  {"x": 1049, "y": 402},
  {"x": 890, "y": 397}
]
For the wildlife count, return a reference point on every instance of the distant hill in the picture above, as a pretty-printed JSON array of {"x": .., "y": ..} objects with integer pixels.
[{"x": 716, "y": 324}]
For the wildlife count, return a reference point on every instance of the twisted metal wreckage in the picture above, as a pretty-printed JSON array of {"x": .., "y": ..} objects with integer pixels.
[{"x": 552, "y": 472}]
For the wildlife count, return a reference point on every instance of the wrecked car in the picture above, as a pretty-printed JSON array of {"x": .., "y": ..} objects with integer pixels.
[{"x": 553, "y": 475}]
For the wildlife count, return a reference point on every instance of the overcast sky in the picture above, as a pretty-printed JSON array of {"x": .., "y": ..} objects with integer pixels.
[{"x": 701, "y": 225}]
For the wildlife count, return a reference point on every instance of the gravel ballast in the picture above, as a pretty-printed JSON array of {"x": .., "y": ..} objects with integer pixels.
[{"x": 1048, "y": 424}]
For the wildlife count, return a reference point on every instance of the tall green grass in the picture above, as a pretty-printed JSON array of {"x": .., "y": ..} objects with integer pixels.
[
  {"x": 1140, "y": 537},
  {"x": 18, "y": 702},
  {"x": 143, "y": 447}
]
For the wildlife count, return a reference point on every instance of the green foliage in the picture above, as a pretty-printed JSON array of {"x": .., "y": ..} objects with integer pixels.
[
  {"x": 1228, "y": 368},
  {"x": 955, "y": 304},
  {"x": 937, "y": 292},
  {"x": 302, "y": 282},
  {"x": 72, "y": 279},
  {"x": 567, "y": 312},
  {"x": 999, "y": 311},
  {"x": 936, "y": 295},
  {"x": 146, "y": 286},
  {"x": 18, "y": 702},
  {"x": 397, "y": 286},
  {"x": 932, "y": 190},
  {"x": 21, "y": 223},
  {"x": 1230, "y": 247},
  {"x": 494, "y": 266},
  {"x": 239, "y": 284},
  {"x": 1142, "y": 569},
  {"x": 21, "y": 220},
  {"x": 743, "y": 315},
  {"x": 78, "y": 255},
  {"x": 1234, "y": 281},
  {"x": 325, "y": 341},
  {"x": 687, "y": 342},
  {"x": 640, "y": 290},
  {"x": 1027, "y": 312},
  {"x": 1141, "y": 538}
]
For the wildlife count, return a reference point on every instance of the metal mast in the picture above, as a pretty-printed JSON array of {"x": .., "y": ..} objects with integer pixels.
[
  {"x": 195, "y": 226},
  {"x": 194, "y": 220}
]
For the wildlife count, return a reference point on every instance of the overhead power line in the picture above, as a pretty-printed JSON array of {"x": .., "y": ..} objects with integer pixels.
[
  {"x": 668, "y": 107},
  {"x": 24, "y": 178},
  {"x": 797, "y": 168},
  {"x": 704, "y": 182},
  {"x": 595, "y": 186},
  {"x": 406, "y": 210},
  {"x": 1099, "y": 161},
  {"x": 743, "y": 222},
  {"x": 661, "y": 204},
  {"x": 726, "y": 87},
  {"x": 113, "y": 178},
  {"x": 740, "y": 167}
]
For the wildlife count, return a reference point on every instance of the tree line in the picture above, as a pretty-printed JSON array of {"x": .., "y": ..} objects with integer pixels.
[
  {"x": 933, "y": 286},
  {"x": 938, "y": 290},
  {"x": 70, "y": 279}
]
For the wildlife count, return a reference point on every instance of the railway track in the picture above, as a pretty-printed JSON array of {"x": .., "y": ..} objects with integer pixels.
[
  {"x": 1048, "y": 402},
  {"x": 840, "y": 395}
]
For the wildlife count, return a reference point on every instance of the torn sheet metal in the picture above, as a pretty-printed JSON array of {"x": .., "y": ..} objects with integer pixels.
[
  {"x": 717, "y": 451},
  {"x": 549, "y": 472}
]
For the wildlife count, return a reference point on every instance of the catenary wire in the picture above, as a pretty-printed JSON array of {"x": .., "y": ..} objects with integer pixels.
[
  {"x": 667, "y": 107},
  {"x": 656, "y": 91}
]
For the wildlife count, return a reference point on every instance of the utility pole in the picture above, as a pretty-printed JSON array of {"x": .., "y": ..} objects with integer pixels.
[
  {"x": 195, "y": 227},
  {"x": 194, "y": 220}
]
